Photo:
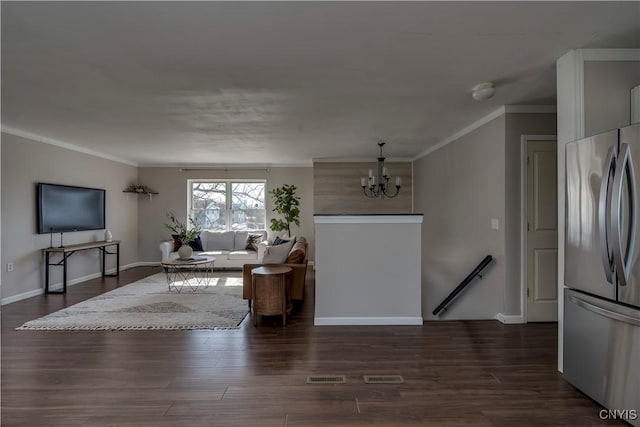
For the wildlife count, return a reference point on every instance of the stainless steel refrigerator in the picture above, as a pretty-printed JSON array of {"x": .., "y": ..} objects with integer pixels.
[{"x": 602, "y": 271}]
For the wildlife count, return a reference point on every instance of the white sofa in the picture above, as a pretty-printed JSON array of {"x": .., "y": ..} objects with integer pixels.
[{"x": 229, "y": 248}]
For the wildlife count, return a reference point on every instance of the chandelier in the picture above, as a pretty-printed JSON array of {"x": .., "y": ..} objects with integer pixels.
[{"x": 378, "y": 185}]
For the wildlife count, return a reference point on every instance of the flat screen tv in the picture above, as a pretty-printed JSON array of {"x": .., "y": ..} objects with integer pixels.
[{"x": 64, "y": 208}]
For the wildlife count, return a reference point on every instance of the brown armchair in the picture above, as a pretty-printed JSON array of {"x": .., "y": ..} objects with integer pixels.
[{"x": 297, "y": 260}]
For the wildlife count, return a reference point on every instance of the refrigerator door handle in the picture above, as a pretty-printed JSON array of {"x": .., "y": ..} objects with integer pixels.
[
  {"x": 607, "y": 259},
  {"x": 603, "y": 311},
  {"x": 624, "y": 169}
]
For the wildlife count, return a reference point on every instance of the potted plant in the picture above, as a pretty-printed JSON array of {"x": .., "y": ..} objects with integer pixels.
[
  {"x": 286, "y": 204},
  {"x": 184, "y": 232}
]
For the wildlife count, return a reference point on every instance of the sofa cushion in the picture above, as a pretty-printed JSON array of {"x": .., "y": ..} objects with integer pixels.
[
  {"x": 277, "y": 254},
  {"x": 297, "y": 254},
  {"x": 220, "y": 255},
  {"x": 219, "y": 241},
  {"x": 240, "y": 240},
  {"x": 250, "y": 255}
]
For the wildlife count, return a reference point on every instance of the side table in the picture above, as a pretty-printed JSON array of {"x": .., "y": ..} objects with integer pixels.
[{"x": 269, "y": 292}]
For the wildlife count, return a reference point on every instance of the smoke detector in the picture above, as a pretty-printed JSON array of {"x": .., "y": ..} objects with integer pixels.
[{"x": 483, "y": 91}]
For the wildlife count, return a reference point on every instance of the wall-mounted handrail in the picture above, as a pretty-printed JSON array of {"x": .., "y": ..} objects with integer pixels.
[{"x": 476, "y": 272}]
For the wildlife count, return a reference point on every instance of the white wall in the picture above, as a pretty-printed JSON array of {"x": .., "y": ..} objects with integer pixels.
[
  {"x": 26, "y": 162},
  {"x": 607, "y": 94},
  {"x": 171, "y": 183},
  {"x": 460, "y": 188},
  {"x": 2, "y": 264}
]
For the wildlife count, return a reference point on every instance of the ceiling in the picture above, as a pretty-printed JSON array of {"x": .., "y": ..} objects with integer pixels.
[{"x": 183, "y": 83}]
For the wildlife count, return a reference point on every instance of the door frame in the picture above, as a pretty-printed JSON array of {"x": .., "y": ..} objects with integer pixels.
[{"x": 524, "y": 142}]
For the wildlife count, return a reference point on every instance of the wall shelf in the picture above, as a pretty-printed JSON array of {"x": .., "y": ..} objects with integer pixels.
[{"x": 150, "y": 193}]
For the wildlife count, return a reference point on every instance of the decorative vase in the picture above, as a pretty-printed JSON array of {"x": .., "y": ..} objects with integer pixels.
[
  {"x": 108, "y": 236},
  {"x": 185, "y": 251}
]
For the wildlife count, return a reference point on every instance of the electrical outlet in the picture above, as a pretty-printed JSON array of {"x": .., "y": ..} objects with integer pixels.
[
  {"x": 9, "y": 266},
  {"x": 495, "y": 225}
]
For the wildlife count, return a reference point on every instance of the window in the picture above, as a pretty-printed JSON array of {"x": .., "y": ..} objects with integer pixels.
[{"x": 228, "y": 205}]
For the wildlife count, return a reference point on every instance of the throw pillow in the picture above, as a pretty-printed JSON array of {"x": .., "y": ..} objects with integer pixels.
[
  {"x": 252, "y": 241},
  {"x": 196, "y": 244},
  {"x": 279, "y": 241},
  {"x": 277, "y": 254}
]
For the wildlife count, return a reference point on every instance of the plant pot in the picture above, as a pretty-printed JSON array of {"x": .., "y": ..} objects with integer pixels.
[{"x": 185, "y": 251}]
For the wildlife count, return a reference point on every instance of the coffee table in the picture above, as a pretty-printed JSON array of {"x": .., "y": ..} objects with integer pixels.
[{"x": 193, "y": 273}]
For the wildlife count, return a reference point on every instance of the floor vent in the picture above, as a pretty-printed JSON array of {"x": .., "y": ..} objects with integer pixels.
[
  {"x": 383, "y": 379},
  {"x": 326, "y": 379}
]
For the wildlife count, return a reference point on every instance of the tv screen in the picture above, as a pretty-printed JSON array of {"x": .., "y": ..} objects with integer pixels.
[{"x": 63, "y": 208}]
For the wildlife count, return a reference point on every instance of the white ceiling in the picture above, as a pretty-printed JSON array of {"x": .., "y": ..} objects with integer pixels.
[{"x": 281, "y": 83}]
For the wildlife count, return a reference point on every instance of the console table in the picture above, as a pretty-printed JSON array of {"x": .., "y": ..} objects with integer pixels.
[{"x": 69, "y": 250}]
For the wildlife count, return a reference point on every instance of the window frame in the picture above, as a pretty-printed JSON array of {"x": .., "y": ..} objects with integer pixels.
[{"x": 228, "y": 211}]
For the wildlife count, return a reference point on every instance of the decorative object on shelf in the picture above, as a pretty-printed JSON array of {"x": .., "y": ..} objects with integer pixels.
[
  {"x": 286, "y": 204},
  {"x": 108, "y": 237},
  {"x": 483, "y": 91},
  {"x": 378, "y": 185},
  {"x": 139, "y": 189},
  {"x": 186, "y": 232}
]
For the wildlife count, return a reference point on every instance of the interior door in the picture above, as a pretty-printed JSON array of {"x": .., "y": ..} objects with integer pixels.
[{"x": 542, "y": 231}]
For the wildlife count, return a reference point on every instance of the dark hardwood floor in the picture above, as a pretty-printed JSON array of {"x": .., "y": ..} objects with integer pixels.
[{"x": 478, "y": 373}]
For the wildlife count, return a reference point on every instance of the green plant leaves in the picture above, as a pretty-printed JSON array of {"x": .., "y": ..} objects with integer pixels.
[
  {"x": 286, "y": 204},
  {"x": 185, "y": 234}
]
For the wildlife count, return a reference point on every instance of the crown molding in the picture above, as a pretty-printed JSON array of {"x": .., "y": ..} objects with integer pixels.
[
  {"x": 63, "y": 144},
  {"x": 226, "y": 167},
  {"x": 530, "y": 109},
  {"x": 361, "y": 159},
  {"x": 462, "y": 132},
  {"x": 610, "y": 54},
  {"x": 505, "y": 109}
]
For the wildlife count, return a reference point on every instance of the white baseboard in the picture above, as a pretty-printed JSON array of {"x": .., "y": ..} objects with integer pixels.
[
  {"x": 58, "y": 286},
  {"x": 22, "y": 296},
  {"x": 361, "y": 321},
  {"x": 509, "y": 319},
  {"x": 143, "y": 264}
]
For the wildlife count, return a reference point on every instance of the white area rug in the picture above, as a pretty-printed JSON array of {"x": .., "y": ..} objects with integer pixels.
[{"x": 148, "y": 304}]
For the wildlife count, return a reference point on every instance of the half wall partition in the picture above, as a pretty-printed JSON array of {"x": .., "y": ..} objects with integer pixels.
[{"x": 368, "y": 269}]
